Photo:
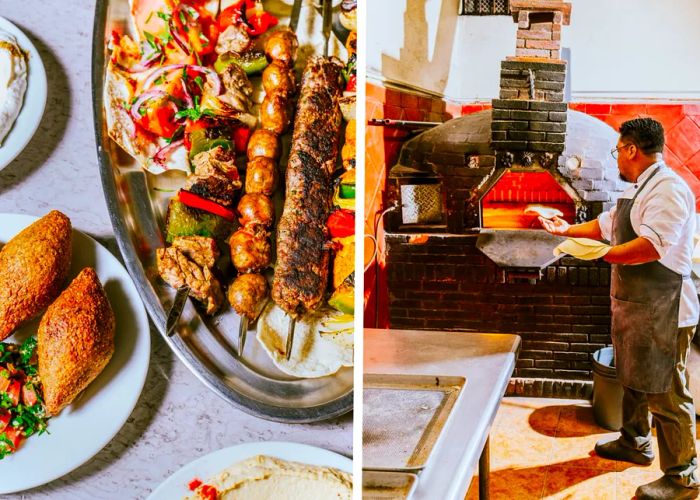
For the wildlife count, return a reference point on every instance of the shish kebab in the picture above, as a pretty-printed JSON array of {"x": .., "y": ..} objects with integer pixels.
[
  {"x": 250, "y": 246},
  {"x": 301, "y": 272}
]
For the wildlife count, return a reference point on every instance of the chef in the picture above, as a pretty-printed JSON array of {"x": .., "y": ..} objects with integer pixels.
[{"x": 654, "y": 308}]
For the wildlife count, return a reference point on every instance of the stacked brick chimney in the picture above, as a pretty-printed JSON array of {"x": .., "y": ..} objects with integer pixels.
[{"x": 529, "y": 118}]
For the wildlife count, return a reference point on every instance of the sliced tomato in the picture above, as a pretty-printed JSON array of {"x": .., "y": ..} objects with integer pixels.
[
  {"x": 13, "y": 390},
  {"x": 4, "y": 380},
  {"x": 29, "y": 396},
  {"x": 15, "y": 436},
  {"x": 4, "y": 419},
  {"x": 159, "y": 119}
]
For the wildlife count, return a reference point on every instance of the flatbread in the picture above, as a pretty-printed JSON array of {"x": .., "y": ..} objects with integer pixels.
[
  {"x": 583, "y": 248},
  {"x": 543, "y": 211},
  {"x": 321, "y": 345}
]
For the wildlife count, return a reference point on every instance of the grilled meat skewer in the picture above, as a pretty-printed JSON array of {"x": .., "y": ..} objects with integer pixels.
[{"x": 301, "y": 273}]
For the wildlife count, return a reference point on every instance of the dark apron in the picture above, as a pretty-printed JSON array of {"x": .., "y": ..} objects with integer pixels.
[{"x": 645, "y": 303}]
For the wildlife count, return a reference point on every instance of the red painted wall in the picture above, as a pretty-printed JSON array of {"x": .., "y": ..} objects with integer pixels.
[{"x": 681, "y": 123}]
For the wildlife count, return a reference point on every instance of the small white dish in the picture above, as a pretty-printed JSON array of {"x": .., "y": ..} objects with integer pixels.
[
  {"x": 34, "y": 101},
  {"x": 176, "y": 486},
  {"x": 80, "y": 431}
]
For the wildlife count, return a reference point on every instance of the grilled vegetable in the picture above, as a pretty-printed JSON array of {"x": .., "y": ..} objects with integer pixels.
[
  {"x": 185, "y": 221},
  {"x": 343, "y": 298},
  {"x": 252, "y": 62}
]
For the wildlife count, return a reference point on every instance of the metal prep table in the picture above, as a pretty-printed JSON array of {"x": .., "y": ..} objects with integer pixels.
[{"x": 486, "y": 361}]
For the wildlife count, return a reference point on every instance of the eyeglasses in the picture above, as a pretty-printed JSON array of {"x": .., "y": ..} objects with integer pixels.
[{"x": 615, "y": 152}]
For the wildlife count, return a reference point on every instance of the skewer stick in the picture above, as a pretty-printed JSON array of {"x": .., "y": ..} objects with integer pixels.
[
  {"x": 290, "y": 338},
  {"x": 294, "y": 18},
  {"x": 242, "y": 333},
  {"x": 327, "y": 22}
]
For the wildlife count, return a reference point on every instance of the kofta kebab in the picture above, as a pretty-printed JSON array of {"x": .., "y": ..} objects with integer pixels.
[{"x": 181, "y": 98}]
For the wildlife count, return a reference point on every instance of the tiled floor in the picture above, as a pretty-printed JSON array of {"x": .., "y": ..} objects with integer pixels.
[{"x": 543, "y": 448}]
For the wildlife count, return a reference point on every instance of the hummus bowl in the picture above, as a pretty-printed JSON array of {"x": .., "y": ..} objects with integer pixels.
[
  {"x": 137, "y": 202},
  {"x": 214, "y": 464}
]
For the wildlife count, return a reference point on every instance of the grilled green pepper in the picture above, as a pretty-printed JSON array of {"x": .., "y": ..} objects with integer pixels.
[
  {"x": 200, "y": 142},
  {"x": 251, "y": 62},
  {"x": 185, "y": 221}
]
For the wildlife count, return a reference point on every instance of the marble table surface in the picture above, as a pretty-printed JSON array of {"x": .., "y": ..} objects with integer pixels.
[
  {"x": 486, "y": 361},
  {"x": 177, "y": 419}
]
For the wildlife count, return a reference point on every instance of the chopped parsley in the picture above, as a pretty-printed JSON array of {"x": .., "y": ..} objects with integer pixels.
[{"x": 21, "y": 402}]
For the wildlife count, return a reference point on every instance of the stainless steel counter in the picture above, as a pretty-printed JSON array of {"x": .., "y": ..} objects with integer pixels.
[{"x": 485, "y": 360}]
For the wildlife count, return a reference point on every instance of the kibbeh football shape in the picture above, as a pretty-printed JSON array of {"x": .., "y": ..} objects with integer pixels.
[
  {"x": 75, "y": 340},
  {"x": 33, "y": 269}
]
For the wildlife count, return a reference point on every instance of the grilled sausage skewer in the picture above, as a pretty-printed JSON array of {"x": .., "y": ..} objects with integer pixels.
[
  {"x": 301, "y": 273},
  {"x": 256, "y": 208}
]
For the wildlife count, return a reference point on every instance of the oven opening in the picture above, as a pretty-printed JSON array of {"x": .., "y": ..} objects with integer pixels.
[{"x": 517, "y": 198}]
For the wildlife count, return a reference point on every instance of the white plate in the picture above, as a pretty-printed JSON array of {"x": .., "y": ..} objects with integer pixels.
[
  {"x": 85, "y": 427},
  {"x": 34, "y": 99},
  {"x": 210, "y": 465}
]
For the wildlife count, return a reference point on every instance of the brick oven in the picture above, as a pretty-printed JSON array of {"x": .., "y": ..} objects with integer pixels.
[{"x": 464, "y": 250}]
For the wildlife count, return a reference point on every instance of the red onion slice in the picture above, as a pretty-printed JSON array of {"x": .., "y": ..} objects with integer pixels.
[
  {"x": 163, "y": 153},
  {"x": 211, "y": 75},
  {"x": 146, "y": 96}
]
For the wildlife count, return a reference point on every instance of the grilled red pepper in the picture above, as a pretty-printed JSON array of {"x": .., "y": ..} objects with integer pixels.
[
  {"x": 259, "y": 21},
  {"x": 194, "y": 201},
  {"x": 341, "y": 223},
  {"x": 241, "y": 135}
]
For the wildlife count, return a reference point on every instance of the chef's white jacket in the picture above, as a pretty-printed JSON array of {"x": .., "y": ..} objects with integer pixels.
[{"x": 664, "y": 214}]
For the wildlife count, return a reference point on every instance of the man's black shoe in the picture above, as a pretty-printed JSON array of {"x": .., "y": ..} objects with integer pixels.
[
  {"x": 665, "y": 488},
  {"x": 614, "y": 450}
]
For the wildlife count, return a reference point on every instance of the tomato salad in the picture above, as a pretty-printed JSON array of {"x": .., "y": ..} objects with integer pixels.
[
  {"x": 22, "y": 411},
  {"x": 172, "y": 78}
]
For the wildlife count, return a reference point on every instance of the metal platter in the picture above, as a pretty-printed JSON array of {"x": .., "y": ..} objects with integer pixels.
[{"x": 206, "y": 346}]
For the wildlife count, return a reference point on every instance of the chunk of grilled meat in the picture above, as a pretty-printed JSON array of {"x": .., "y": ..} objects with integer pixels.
[
  {"x": 235, "y": 38},
  {"x": 177, "y": 270},
  {"x": 200, "y": 249},
  {"x": 301, "y": 272},
  {"x": 278, "y": 78},
  {"x": 237, "y": 88},
  {"x": 256, "y": 208},
  {"x": 261, "y": 176},
  {"x": 282, "y": 46},
  {"x": 274, "y": 113},
  {"x": 33, "y": 269},
  {"x": 215, "y": 176},
  {"x": 264, "y": 143},
  {"x": 247, "y": 294},
  {"x": 75, "y": 340},
  {"x": 235, "y": 78},
  {"x": 250, "y": 249}
]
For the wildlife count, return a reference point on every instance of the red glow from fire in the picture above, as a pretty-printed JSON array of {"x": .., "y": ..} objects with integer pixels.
[{"x": 504, "y": 205}]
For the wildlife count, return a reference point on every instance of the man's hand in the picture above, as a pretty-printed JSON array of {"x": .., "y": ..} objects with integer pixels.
[{"x": 555, "y": 226}]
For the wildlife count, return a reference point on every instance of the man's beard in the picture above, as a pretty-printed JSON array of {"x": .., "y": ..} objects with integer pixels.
[{"x": 622, "y": 177}]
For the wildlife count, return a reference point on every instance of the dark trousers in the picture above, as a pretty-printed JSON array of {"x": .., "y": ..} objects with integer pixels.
[{"x": 674, "y": 415}]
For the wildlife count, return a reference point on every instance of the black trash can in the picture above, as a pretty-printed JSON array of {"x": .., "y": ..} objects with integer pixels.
[{"x": 607, "y": 390}]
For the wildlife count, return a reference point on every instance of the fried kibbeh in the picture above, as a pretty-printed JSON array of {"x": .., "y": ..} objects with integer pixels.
[
  {"x": 75, "y": 340},
  {"x": 33, "y": 269}
]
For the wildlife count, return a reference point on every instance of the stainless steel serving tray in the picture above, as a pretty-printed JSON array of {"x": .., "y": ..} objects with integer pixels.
[{"x": 206, "y": 346}]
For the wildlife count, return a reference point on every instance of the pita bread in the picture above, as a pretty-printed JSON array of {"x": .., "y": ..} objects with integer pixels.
[
  {"x": 583, "y": 248},
  {"x": 321, "y": 346},
  {"x": 542, "y": 211}
]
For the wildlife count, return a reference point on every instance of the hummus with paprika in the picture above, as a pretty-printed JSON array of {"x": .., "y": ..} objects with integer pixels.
[{"x": 268, "y": 477}]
